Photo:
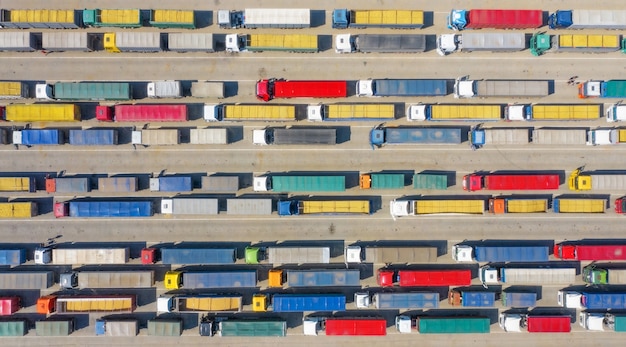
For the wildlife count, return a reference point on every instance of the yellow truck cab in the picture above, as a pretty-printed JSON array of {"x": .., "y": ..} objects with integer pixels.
[
  {"x": 260, "y": 302},
  {"x": 173, "y": 279},
  {"x": 579, "y": 182}
]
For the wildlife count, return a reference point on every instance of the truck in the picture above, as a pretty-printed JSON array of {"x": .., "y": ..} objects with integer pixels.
[
  {"x": 426, "y": 180},
  {"x": 405, "y": 208},
  {"x": 517, "y": 323},
  {"x": 67, "y": 41},
  {"x": 584, "y": 43},
  {"x": 578, "y": 205},
  {"x": 171, "y": 184},
  {"x": 55, "y": 326},
  {"x": 287, "y": 255},
  {"x": 396, "y": 301},
  {"x": 381, "y": 181},
  {"x": 351, "y": 112},
  {"x": 26, "y": 280},
  {"x": 86, "y": 304},
  {"x": 200, "y": 256},
  {"x": 602, "y": 321},
  {"x": 17, "y": 184},
  {"x": 452, "y": 112},
  {"x": 181, "y": 19},
  {"x": 500, "y": 205},
  {"x": 244, "y": 327},
  {"x": 500, "y": 254},
  {"x": 494, "y": 19},
  {"x": 474, "y": 182},
  {"x": 294, "y": 136},
  {"x": 50, "y": 19},
  {"x": 81, "y": 256},
  {"x": 587, "y": 19},
  {"x": 106, "y": 279},
  {"x": 293, "y": 184},
  {"x": 120, "y": 184},
  {"x": 13, "y": 90},
  {"x": 559, "y": 136},
  {"x": 345, "y": 326},
  {"x": 156, "y": 137},
  {"x": 214, "y": 113},
  {"x": 602, "y": 89},
  {"x": 553, "y": 112},
  {"x": 217, "y": 184},
  {"x": 164, "y": 89},
  {"x": 210, "y": 279},
  {"x": 402, "y": 87},
  {"x": 424, "y": 278},
  {"x": 208, "y": 136},
  {"x": 252, "y": 18},
  {"x": 271, "y": 42},
  {"x": 596, "y": 274},
  {"x": 116, "y": 327},
  {"x": 390, "y": 255},
  {"x": 480, "y": 42},
  {"x": 165, "y": 327},
  {"x": 471, "y": 298},
  {"x": 142, "y": 113},
  {"x": 12, "y": 257},
  {"x": 442, "y": 325},
  {"x": 380, "y": 43},
  {"x": 190, "y": 42},
  {"x": 592, "y": 300},
  {"x": 13, "y": 327},
  {"x": 240, "y": 206},
  {"x": 591, "y": 251},
  {"x": 479, "y": 137},
  {"x": 199, "y": 303},
  {"x": 70, "y": 91},
  {"x": 130, "y": 41},
  {"x": 299, "y": 302},
  {"x": 326, "y": 207},
  {"x": 464, "y": 88},
  {"x": 511, "y": 298},
  {"x": 124, "y": 18},
  {"x": 397, "y": 19},
  {"x": 273, "y": 88},
  {"x": 93, "y": 137},
  {"x": 42, "y": 113},
  {"x": 521, "y": 275},
  {"x": 381, "y": 136},
  {"x": 18, "y": 209},
  {"x": 581, "y": 180},
  {"x": 103, "y": 209},
  {"x": 190, "y": 206},
  {"x": 616, "y": 113},
  {"x": 38, "y": 137},
  {"x": 323, "y": 278}
]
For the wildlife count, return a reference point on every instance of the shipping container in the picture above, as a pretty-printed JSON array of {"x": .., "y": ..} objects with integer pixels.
[
  {"x": 495, "y": 19},
  {"x": 351, "y": 112},
  {"x": 26, "y": 280},
  {"x": 124, "y": 18},
  {"x": 190, "y": 206},
  {"x": 430, "y": 181},
  {"x": 217, "y": 184},
  {"x": 61, "y": 41},
  {"x": 190, "y": 42},
  {"x": 405, "y": 19},
  {"x": 87, "y": 209},
  {"x": 118, "y": 184},
  {"x": 41, "y": 19},
  {"x": 112, "y": 327},
  {"x": 473, "y": 182},
  {"x": 13, "y": 90},
  {"x": 164, "y": 19},
  {"x": 18, "y": 41},
  {"x": 273, "y": 88},
  {"x": 18, "y": 209},
  {"x": 518, "y": 205},
  {"x": 55, "y": 326},
  {"x": 165, "y": 327},
  {"x": 42, "y": 113}
]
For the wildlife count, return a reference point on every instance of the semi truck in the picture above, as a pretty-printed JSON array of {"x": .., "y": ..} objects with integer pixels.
[
  {"x": 512, "y": 204},
  {"x": 271, "y": 327},
  {"x": 156, "y": 137},
  {"x": 163, "y": 19},
  {"x": 294, "y": 136},
  {"x": 13, "y": 90},
  {"x": 381, "y": 181},
  {"x": 380, "y": 43},
  {"x": 26, "y": 279},
  {"x": 200, "y": 256},
  {"x": 390, "y": 255},
  {"x": 561, "y": 137},
  {"x": 587, "y": 19},
  {"x": 191, "y": 42},
  {"x": 512, "y": 298},
  {"x": 616, "y": 113},
  {"x": 292, "y": 184},
  {"x": 209, "y": 136},
  {"x": 273, "y": 88},
  {"x": 164, "y": 89},
  {"x": 214, "y": 113},
  {"x": 298, "y": 302},
  {"x": 326, "y": 207},
  {"x": 125, "y": 18},
  {"x": 500, "y": 254},
  {"x": 240, "y": 206},
  {"x": 17, "y": 184},
  {"x": 471, "y": 298},
  {"x": 118, "y": 184},
  {"x": 345, "y": 326},
  {"x": 591, "y": 251},
  {"x": 516, "y": 323},
  {"x": 583, "y": 43},
  {"x": 602, "y": 321},
  {"x": 130, "y": 41},
  {"x": 381, "y": 136},
  {"x": 252, "y": 18},
  {"x": 452, "y": 112},
  {"x": 578, "y": 205},
  {"x": 323, "y": 278},
  {"x": 113, "y": 91},
  {"x": 602, "y": 89},
  {"x": 217, "y": 184},
  {"x": 38, "y": 137},
  {"x": 592, "y": 300},
  {"x": 81, "y": 256},
  {"x": 116, "y": 327},
  {"x": 42, "y": 113},
  {"x": 404, "y": 208},
  {"x": 442, "y": 325},
  {"x": 287, "y": 255},
  {"x": 12, "y": 257},
  {"x": 210, "y": 279},
  {"x": 474, "y": 182},
  {"x": 396, "y": 301},
  {"x": 582, "y": 180},
  {"x": 50, "y": 19},
  {"x": 553, "y": 112},
  {"x": 190, "y": 206},
  {"x": 165, "y": 327},
  {"x": 521, "y": 275},
  {"x": 171, "y": 184},
  {"x": 199, "y": 303},
  {"x": 18, "y": 209},
  {"x": 402, "y": 87},
  {"x": 494, "y": 19},
  {"x": 86, "y": 304},
  {"x": 103, "y": 209},
  {"x": 351, "y": 112},
  {"x": 464, "y": 88},
  {"x": 106, "y": 279},
  {"x": 55, "y": 326},
  {"x": 424, "y": 278},
  {"x": 480, "y": 42},
  {"x": 597, "y": 274},
  {"x": 93, "y": 137},
  {"x": 398, "y": 19},
  {"x": 271, "y": 42},
  {"x": 142, "y": 113},
  {"x": 498, "y": 136}
]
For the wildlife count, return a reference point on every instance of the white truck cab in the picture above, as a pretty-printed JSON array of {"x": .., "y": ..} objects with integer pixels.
[
  {"x": 165, "y": 303},
  {"x": 616, "y": 113},
  {"x": 488, "y": 275},
  {"x": 516, "y": 112},
  {"x": 404, "y": 324},
  {"x": 365, "y": 88},
  {"x": 232, "y": 43},
  {"x": 43, "y": 255},
  {"x": 261, "y": 137},
  {"x": 598, "y": 137},
  {"x": 343, "y": 43},
  {"x": 44, "y": 91},
  {"x": 464, "y": 88},
  {"x": 353, "y": 254},
  {"x": 510, "y": 322},
  {"x": 447, "y": 43},
  {"x": 315, "y": 113},
  {"x": 462, "y": 253},
  {"x": 400, "y": 208},
  {"x": 362, "y": 299},
  {"x": 211, "y": 113},
  {"x": 416, "y": 112},
  {"x": 569, "y": 299},
  {"x": 312, "y": 325},
  {"x": 592, "y": 321},
  {"x": 262, "y": 184}
]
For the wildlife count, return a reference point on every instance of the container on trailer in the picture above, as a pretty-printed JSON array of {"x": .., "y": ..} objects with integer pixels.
[
  {"x": 207, "y": 89},
  {"x": 84, "y": 91},
  {"x": 517, "y": 205},
  {"x": 390, "y": 255},
  {"x": 351, "y": 112},
  {"x": 18, "y": 209},
  {"x": 405, "y": 19},
  {"x": 464, "y": 88},
  {"x": 93, "y": 137},
  {"x": 164, "y": 19},
  {"x": 460, "y": 297},
  {"x": 165, "y": 327},
  {"x": 124, "y": 18},
  {"x": 518, "y": 299},
  {"x": 300, "y": 183},
  {"x": 198, "y": 255},
  {"x": 208, "y": 136},
  {"x": 381, "y": 181},
  {"x": 18, "y": 41},
  {"x": 38, "y": 137},
  {"x": 273, "y": 88},
  {"x": 26, "y": 280},
  {"x": 190, "y": 42},
  {"x": 242, "y": 206},
  {"x": 12, "y": 257},
  {"x": 323, "y": 278},
  {"x": 430, "y": 181},
  {"x": 16, "y": 327},
  {"x": 13, "y": 90},
  {"x": 41, "y": 19},
  {"x": 500, "y": 254},
  {"x": 452, "y": 325},
  {"x": 60, "y": 41},
  {"x": 565, "y": 205},
  {"x": 495, "y": 19},
  {"x": 114, "y": 327},
  {"x": 171, "y": 184},
  {"x": 133, "y": 41},
  {"x": 415, "y": 136},
  {"x": 42, "y": 113},
  {"x": 564, "y": 137},
  {"x": 118, "y": 184},
  {"x": 406, "y": 87},
  {"x": 156, "y": 137},
  {"x": 55, "y": 326},
  {"x": 190, "y": 206},
  {"x": 252, "y": 327},
  {"x": 220, "y": 183},
  {"x": 98, "y": 208},
  {"x": 294, "y": 136},
  {"x": 164, "y": 89},
  {"x": 380, "y": 43}
]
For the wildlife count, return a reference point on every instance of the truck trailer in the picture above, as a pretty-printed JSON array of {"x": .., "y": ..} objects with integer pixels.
[
  {"x": 611, "y": 300},
  {"x": 13, "y": 90},
  {"x": 578, "y": 205},
  {"x": 26, "y": 280},
  {"x": 390, "y": 255},
  {"x": 380, "y": 43},
  {"x": 86, "y": 304},
  {"x": 171, "y": 184},
  {"x": 17, "y": 184},
  {"x": 142, "y": 113},
  {"x": 81, "y": 256},
  {"x": 521, "y": 275},
  {"x": 190, "y": 206},
  {"x": 18, "y": 209},
  {"x": 240, "y": 327},
  {"x": 397, "y": 19},
  {"x": 18, "y": 42},
  {"x": 70, "y": 91},
  {"x": 591, "y": 251},
  {"x": 442, "y": 325},
  {"x": 287, "y": 255},
  {"x": 42, "y": 113},
  {"x": 106, "y": 279},
  {"x": 404, "y": 208},
  {"x": 210, "y": 279},
  {"x": 12, "y": 257},
  {"x": 598, "y": 274},
  {"x": 583, "y": 43},
  {"x": 191, "y": 42},
  {"x": 427, "y": 180},
  {"x": 553, "y": 112},
  {"x": 38, "y": 137},
  {"x": 345, "y": 326},
  {"x": 454, "y": 112},
  {"x": 259, "y": 207},
  {"x": 381, "y": 181},
  {"x": 516, "y": 323},
  {"x": 67, "y": 41},
  {"x": 559, "y": 136},
  {"x": 164, "y": 89},
  {"x": 498, "y": 136},
  {"x": 93, "y": 137},
  {"x": 500, "y": 254},
  {"x": 220, "y": 184},
  {"x": 481, "y": 42},
  {"x": 294, "y": 136},
  {"x": 253, "y": 18},
  {"x": 272, "y": 113},
  {"x": 13, "y": 327},
  {"x": 381, "y": 136},
  {"x": 155, "y": 137},
  {"x": 325, "y": 207},
  {"x": 474, "y": 182},
  {"x": 165, "y": 327},
  {"x": 123, "y": 18},
  {"x": 199, "y": 303},
  {"x": 118, "y": 184},
  {"x": 103, "y": 209},
  {"x": 351, "y": 112},
  {"x": 495, "y": 19},
  {"x": 471, "y": 298},
  {"x": 293, "y": 184},
  {"x": 602, "y": 89},
  {"x": 130, "y": 41},
  {"x": 209, "y": 136},
  {"x": 402, "y": 87},
  {"x": 424, "y": 278},
  {"x": 163, "y": 19},
  {"x": 55, "y": 326},
  {"x": 40, "y": 19},
  {"x": 115, "y": 327},
  {"x": 396, "y": 301},
  {"x": 299, "y": 302},
  {"x": 587, "y": 19},
  {"x": 268, "y": 89},
  {"x": 323, "y": 278},
  {"x": 272, "y": 42},
  {"x": 512, "y": 298},
  {"x": 512, "y": 204},
  {"x": 199, "y": 256},
  {"x": 464, "y": 88}
]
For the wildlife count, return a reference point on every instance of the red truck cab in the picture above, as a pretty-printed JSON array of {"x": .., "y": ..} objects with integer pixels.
[
  {"x": 386, "y": 277},
  {"x": 148, "y": 255},
  {"x": 619, "y": 206},
  {"x": 104, "y": 113},
  {"x": 61, "y": 209},
  {"x": 263, "y": 89}
]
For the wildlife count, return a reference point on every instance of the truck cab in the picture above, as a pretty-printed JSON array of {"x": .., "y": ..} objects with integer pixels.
[
  {"x": 592, "y": 321},
  {"x": 43, "y": 255},
  {"x": 230, "y": 19},
  {"x": 457, "y": 19},
  {"x": 68, "y": 280},
  {"x": 315, "y": 113},
  {"x": 61, "y": 209},
  {"x": 260, "y": 302},
  {"x": 263, "y": 137},
  {"x": 262, "y": 184},
  {"x": 518, "y": 112},
  {"x": 254, "y": 255},
  {"x": 401, "y": 208},
  {"x": 417, "y": 112},
  {"x": 173, "y": 280},
  {"x": 569, "y": 299},
  {"x": 598, "y": 137},
  {"x": 616, "y": 113},
  {"x": 511, "y": 322},
  {"x": 404, "y": 324},
  {"x": 213, "y": 112},
  {"x": 149, "y": 255},
  {"x": 386, "y": 277},
  {"x": 235, "y": 43},
  {"x": 312, "y": 325},
  {"x": 341, "y": 18},
  {"x": 560, "y": 19},
  {"x": 166, "y": 303},
  {"x": 365, "y": 88},
  {"x": 464, "y": 88},
  {"x": 462, "y": 253},
  {"x": 44, "y": 91},
  {"x": 344, "y": 43},
  {"x": 590, "y": 89},
  {"x": 488, "y": 275},
  {"x": 472, "y": 182},
  {"x": 206, "y": 326},
  {"x": 276, "y": 278},
  {"x": 265, "y": 89},
  {"x": 577, "y": 181},
  {"x": 353, "y": 254},
  {"x": 594, "y": 275},
  {"x": 447, "y": 43},
  {"x": 362, "y": 299}
]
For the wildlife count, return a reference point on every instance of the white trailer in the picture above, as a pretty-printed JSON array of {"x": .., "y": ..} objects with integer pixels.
[
  {"x": 59, "y": 41},
  {"x": 220, "y": 184},
  {"x": 538, "y": 276},
  {"x": 559, "y": 136},
  {"x": 298, "y": 255},
  {"x": 164, "y": 89},
  {"x": 17, "y": 41},
  {"x": 464, "y": 88},
  {"x": 81, "y": 256},
  {"x": 190, "y": 42},
  {"x": 156, "y": 137},
  {"x": 207, "y": 89},
  {"x": 208, "y": 136},
  {"x": 277, "y": 18},
  {"x": 386, "y": 255},
  {"x": 190, "y": 206},
  {"x": 134, "y": 41},
  {"x": 488, "y": 42},
  {"x": 249, "y": 206}
]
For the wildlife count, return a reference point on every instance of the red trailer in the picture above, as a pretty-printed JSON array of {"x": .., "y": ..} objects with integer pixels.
[
  {"x": 548, "y": 324},
  {"x": 590, "y": 252},
  {"x": 505, "y": 19},
  {"x": 267, "y": 90},
  {"x": 424, "y": 278},
  {"x": 510, "y": 182},
  {"x": 142, "y": 113},
  {"x": 356, "y": 326},
  {"x": 9, "y": 305}
]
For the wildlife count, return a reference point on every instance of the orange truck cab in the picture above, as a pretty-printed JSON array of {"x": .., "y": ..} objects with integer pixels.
[
  {"x": 276, "y": 278},
  {"x": 365, "y": 181},
  {"x": 46, "y": 304}
]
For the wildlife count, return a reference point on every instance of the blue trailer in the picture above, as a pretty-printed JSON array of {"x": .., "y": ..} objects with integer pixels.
[
  {"x": 104, "y": 209},
  {"x": 220, "y": 279},
  {"x": 12, "y": 257},
  {"x": 603, "y": 301},
  {"x": 415, "y": 136},
  {"x": 171, "y": 184},
  {"x": 198, "y": 255},
  {"x": 519, "y": 299},
  {"x": 323, "y": 278},
  {"x": 34, "y": 137},
  {"x": 495, "y": 254},
  {"x": 467, "y": 298},
  {"x": 402, "y": 87},
  {"x": 389, "y": 301},
  {"x": 93, "y": 137},
  {"x": 308, "y": 302}
]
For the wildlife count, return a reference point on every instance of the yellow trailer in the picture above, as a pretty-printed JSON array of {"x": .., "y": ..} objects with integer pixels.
[
  {"x": 335, "y": 206},
  {"x": 17, "y": 184},
  {"x": 173, "y": 19},
  {"x": 85, "y": 304},
  {"x": 54, "y": 19},
  {"x": 562, "y": 205},
  {"x": 271, "y": 42},
  {"x": 387, "y": 18},
  {"x": 260, "y": 112},
  {"x": 621, "y": 135},
  {"x": 13, "y": 90},
  {"x": 449, "y": 206},
  {"x": 42, "y": 113},
  {"x": 119, "y": 17},
  {"x": 516, "y": 205},
  {"x": 216, "y": 303},
  {"x": 357, "y": 112},
  {"x": 18, "y": 209},
  {"x": 565, "y": 112},
  {"x": 592, "y": 43},
  {"x": 466, "y": 112}
]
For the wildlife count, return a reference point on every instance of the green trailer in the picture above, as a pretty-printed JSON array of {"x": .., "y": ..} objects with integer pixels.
[
  {"x": 92, "y": 91},
  {"x": 382, "y": 181},
  {"x": 165, "y": 327},
  {"x": 253, "y": 328},
  {"x": 619, "y": 323},
  {"x": 453, "y": 325},
  {"x": 13, "y": 328},
  {"x": 56, "y": 327},
  {"x": 308, "y": 183},
  {"x": 430, "y": 181}
]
